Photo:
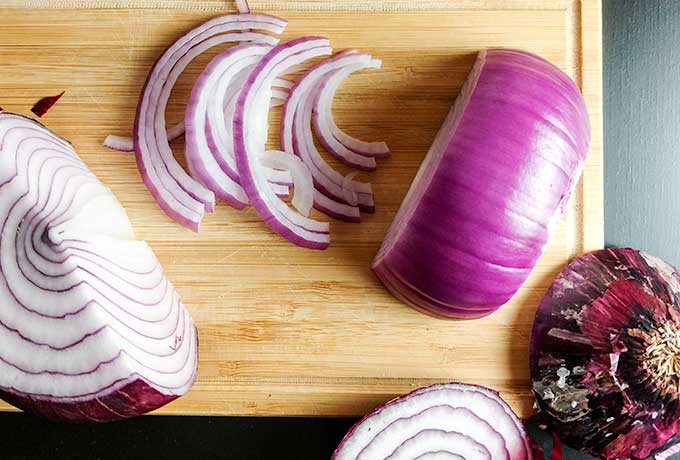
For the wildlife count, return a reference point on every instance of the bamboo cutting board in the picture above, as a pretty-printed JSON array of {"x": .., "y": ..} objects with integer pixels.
[{"x": 291, "y": 331}]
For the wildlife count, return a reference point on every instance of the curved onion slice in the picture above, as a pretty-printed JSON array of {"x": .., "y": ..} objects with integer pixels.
[
  {"x": 442, "y": 421},
  {"x": 127, "y": 144},
  {"x": 502, "y": 185},
  {"x": 250, "y": 136},
  {"x": 336, "y": 141},
  {"x": 90, "y": 328},
  {"x": 303, "y": 199},
  {"x": 200, "y": 154},
  {"x": 181, "y": 197},
  {"x": 296, "y": 137}
]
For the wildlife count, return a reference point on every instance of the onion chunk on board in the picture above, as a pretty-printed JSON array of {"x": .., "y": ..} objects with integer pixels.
[
  {"x": 90, "y": 328},
  {"x": 490, "y": 191}
]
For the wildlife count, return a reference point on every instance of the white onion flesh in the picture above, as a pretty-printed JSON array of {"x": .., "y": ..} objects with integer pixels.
[{"x": 88, "y": 318}]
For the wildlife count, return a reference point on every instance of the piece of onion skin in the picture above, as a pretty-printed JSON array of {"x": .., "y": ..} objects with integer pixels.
[
  {"x": 603, "y": 351},
  {"x": 90, "y": 328},
  {"x": 491, "y": 189},
  {"x": 43, "y": 106}
]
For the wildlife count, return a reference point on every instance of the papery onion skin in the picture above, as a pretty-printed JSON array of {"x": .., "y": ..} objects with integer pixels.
[
  {"x": 87, "y": 333},
  {"x": 395, "y": 420},
  {"x": 491, "y": 190},
  {"x": 43, "y": 106},
  {"x": 595, "y": 355}
]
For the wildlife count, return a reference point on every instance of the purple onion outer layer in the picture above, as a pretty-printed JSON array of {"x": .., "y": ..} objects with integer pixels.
[
  {"x": 491, "y": 189},
  {"x": 90, "y": 328},
  {"x": 605, "y": 355}
]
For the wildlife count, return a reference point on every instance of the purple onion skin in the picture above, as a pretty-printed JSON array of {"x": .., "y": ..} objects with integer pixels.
[
  {"x": 135, "y": 398},
  {"x": 468, "y": 238},
  {"x": 595, "y": 322}
]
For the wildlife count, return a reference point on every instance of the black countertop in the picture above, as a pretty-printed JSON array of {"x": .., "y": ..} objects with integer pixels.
[{"x": 642, "y": 209}]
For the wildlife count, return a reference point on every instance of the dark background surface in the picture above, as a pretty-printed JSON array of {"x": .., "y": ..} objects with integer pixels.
[{"x": 641, "y": 41}]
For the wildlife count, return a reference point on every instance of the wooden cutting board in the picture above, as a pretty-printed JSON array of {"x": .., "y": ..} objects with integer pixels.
[{"x": 291, "y": 331}]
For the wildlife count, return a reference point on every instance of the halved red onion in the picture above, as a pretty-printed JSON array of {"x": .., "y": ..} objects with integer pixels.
[
  {"x": 500, "y": 172},
  {"x": 250, "y": 137},
  {"x": 445, "y": 421},
  {"x": 296, "y": 137},
  {"x": 181, "y": 197},
  {"x": 90, "y": 328},
  {"x": 336, "y": 141}
]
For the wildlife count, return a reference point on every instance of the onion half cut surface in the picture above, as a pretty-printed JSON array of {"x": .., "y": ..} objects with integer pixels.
[
  {"x": 491, "y": 189},
  {"x": 445, "y": 421},
  {"x": 183, "y": 198},
  {"x": 90, "y": 328}
]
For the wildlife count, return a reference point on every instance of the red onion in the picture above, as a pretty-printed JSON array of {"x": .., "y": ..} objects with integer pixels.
[
  {"x": 605, "y": 355},
  {"x": 181, "y": 197},
  {"x": 336, "y": 141},
  {"x": 296, "y": 137},
  {"x": 200, "y": 153},
  {"x": 41, "y": 107},
  {"x": 90, "y": 328},
  {"x": 447, "y": 421},
  {"x": 250, "y": 136},
  {"x": 209, "y": 117},
  {"x": 491, "y": 189}
]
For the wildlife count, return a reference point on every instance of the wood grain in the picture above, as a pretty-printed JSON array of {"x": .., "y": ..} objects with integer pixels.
[{"x": 291, "y": 331}]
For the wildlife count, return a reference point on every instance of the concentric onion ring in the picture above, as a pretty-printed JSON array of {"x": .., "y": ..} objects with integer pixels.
[
  {"x": 446, "y": 421},
  {"x": 90, "y": 328}
]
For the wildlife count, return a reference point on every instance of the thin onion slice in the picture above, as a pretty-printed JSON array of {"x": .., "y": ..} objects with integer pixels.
[
  {"x": 127, "y": 144},
  {"x": 90, "y": 329},
  {"x": 333, "y": 138},
  {"x": 442, "y": 421},
  {"x": 296, "y": 133},
  {"x": 303, "y": 199},
  {"x": 250, "y": 137},
  {"x": 181, "y": 197},
  {"x": 199, "y": 152}
]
